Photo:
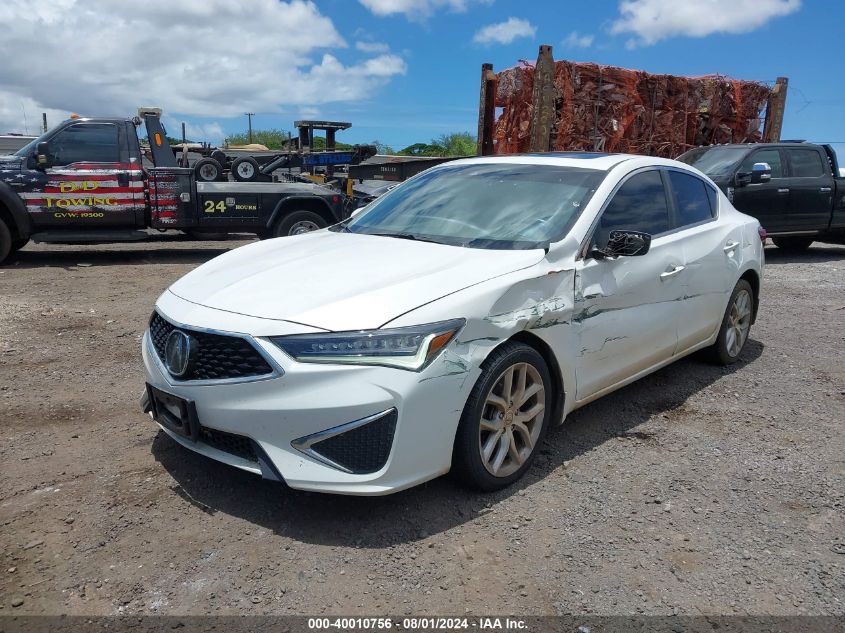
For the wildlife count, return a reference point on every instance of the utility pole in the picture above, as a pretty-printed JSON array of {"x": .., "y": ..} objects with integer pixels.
[
  {"x": 44, "y": 121},
  {"x": 249, "y": 116}
]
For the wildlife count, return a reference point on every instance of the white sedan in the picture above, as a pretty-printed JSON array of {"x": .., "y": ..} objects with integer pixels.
[{"x": 451, "y": 322}]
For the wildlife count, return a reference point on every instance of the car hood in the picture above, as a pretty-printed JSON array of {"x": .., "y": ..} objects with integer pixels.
[
  {"x": 10, "y": 162},
  {"x": 342, "y": 281}
]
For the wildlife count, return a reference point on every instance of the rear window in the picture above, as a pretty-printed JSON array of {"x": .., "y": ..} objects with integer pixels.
[
  {"x": 692, "y": 204},
  {"x": 805, "y": 163}
]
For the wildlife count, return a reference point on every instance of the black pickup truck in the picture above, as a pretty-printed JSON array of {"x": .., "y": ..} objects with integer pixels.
[
  {"x": 85, "y": 181},
  {"x": 792, "y": 188}
]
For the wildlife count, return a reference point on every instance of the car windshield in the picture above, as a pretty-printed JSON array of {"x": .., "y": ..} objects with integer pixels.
[
  {"x": 496, "y": 206},
  {"x": 29, "y": 148},
  {"x": 713, "y": 160}
]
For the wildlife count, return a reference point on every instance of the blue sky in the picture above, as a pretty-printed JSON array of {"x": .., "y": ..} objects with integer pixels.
[{"x": 405, "y": 71}]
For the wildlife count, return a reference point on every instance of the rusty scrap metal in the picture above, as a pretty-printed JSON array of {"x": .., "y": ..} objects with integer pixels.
[{"x": 564, "y": 105}]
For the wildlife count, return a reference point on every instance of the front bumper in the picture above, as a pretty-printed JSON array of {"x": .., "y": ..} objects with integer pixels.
[{"x": 283, "y": 416}]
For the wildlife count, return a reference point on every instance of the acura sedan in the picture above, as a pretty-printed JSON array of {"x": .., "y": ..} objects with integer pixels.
[{"x": 451, "y": 322}]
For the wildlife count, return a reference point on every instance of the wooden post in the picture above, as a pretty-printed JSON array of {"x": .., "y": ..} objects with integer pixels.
[
  {"x": 543, "y": 99},
  {"x": 486, "y": 111},
  {"x": 774, "y": 111}
]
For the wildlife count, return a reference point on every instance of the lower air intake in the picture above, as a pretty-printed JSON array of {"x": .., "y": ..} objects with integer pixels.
[{"x": 362, "y": 449}]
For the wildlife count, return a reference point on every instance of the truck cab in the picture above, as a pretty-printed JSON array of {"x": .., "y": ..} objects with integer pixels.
[
  {"x": 792, "y": 188},
  {"x": 85, "y": 181}
]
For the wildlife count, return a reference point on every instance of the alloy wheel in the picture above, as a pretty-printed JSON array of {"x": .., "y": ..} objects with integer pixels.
[
  {"x": 511, "y": 419},
  {"x": 739, "y": 323}
]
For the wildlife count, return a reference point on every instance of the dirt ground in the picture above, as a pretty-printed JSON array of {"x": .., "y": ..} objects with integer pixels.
[{"x": 696, "y": 490}]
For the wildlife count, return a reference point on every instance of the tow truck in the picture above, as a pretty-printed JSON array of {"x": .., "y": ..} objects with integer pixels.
[{"x": 85, "y": 182}]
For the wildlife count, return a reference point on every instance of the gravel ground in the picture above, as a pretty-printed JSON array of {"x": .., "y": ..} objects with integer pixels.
[{"x": 696, "y": 490}]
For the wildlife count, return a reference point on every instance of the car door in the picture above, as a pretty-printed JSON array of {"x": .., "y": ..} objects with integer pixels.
[
  {"x": 711, "y": 250},
  {"x": 766, "y": 201},
  {"x": 87, "y": 184},
  {"x": 811, "y": 189},
  {"x": 626, "y": 310}
]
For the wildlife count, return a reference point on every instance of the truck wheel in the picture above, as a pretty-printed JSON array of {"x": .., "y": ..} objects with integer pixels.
[
  {"x": 297, "y": 223},
  {"x": 208, "y": 170},
  {"x": 794, "y": 244},
  {"x": 245, "y": 169},
  {"x": 5, "y": 241},
  {"x": 19, "y": 244}
]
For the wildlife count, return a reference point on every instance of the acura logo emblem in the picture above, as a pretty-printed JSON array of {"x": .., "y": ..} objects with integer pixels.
[{"x": 179, "y": 353}]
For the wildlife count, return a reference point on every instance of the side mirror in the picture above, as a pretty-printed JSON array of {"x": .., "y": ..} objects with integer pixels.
[
  {"x": 760, "y": 173},
  {"x": 624, "y": 244},
  {"x": 42, "y": 154}
]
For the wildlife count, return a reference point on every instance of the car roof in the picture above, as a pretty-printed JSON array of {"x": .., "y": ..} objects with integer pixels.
[{"x": 584, "y": 160}]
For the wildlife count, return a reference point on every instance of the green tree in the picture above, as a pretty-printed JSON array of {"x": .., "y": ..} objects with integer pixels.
[
  {"x": 272, "y": 138},
  {"x": 455, "y": 144}
]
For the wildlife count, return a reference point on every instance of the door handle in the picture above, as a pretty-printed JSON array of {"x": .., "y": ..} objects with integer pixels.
[
  {"x": 783, "y": 190},
  {"x": 671, "y": 273},
  {"x": 730, "y": 246},
  {"x": 825, "y": 189}
]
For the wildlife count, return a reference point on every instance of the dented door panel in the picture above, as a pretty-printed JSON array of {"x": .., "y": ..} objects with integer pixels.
[{"x": 626, "y": 313}]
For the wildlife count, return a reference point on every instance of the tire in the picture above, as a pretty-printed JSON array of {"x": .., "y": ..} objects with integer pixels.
[
  {"x": 5, "y": 241},
  {"x": 504, "y": 462},
  {"x": 19, "y": 244},
  {"x": 793, "y": 244},
  {"x": 208, "y": 170},
  {"x": 297, "y": 223},
  {"x": 245, "y": 169},
  {"x": 736, "y": 325}
]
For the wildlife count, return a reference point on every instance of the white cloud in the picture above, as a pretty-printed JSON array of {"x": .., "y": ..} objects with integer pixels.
[
  {"x": 653, "y": 20},
  {"x": 505, "y": 32},
  {"x": 372, "y": 47},
  {"x": 211, "y": 58},
  {"x": 417, "y": 9},
  {"x": 576, "y": 40}
]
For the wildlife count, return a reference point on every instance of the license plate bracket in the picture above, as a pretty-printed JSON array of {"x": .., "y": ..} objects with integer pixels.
[{"x": 176, "y": 414}]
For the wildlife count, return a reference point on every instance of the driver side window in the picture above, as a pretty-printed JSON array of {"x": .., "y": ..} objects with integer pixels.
[
  {"x": 85, "y": 142},
  {"x": 639, "y": 205},
  {"x": 771, "y": 156}
]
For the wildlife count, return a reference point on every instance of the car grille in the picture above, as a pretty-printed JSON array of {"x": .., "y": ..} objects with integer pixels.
[
  {"x": 236, "y": 445},
  {"x": 363, "y": 449},
  {"x": 218, "y": 357}
]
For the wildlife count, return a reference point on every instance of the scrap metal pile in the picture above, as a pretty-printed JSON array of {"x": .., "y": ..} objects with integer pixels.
[{"x": 611, "y": 109}]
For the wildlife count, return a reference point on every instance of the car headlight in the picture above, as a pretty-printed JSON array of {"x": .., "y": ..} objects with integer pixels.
[{"x": 403, "y": 347}]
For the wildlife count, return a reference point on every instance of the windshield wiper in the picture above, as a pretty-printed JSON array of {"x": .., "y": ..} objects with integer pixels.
[{"x": 409, "y": 236}]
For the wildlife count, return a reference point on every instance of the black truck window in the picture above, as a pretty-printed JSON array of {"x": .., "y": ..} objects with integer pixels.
[
  {"x": 805, "y": 163},
  {"x": 85, "y": 142},
  {"x": 691, "y": 202},
  {"x": 638, "y": 205},
  {"x": 771, "y": 156}
]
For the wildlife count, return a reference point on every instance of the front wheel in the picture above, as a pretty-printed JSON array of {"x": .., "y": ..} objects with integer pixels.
[
  {"x": 505, "y": 418},
  {"x": 5, "y": 241},
  {"x": 736, "y": 324},
  {"x": 297, "y": 223},
  {"x": 794, "y": 244}
]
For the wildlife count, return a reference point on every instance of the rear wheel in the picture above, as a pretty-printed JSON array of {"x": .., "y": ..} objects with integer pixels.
[
  {"x": 5, "y": 241},
  {"x": 736, "y": 325},
  {"x": 245, "y": 169},
  {"x": 297, "y": 223},
  {"x": 505, "y": 418},
  {"x": 208, "y": 170},
  {"x": 794, "y": 244}
]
